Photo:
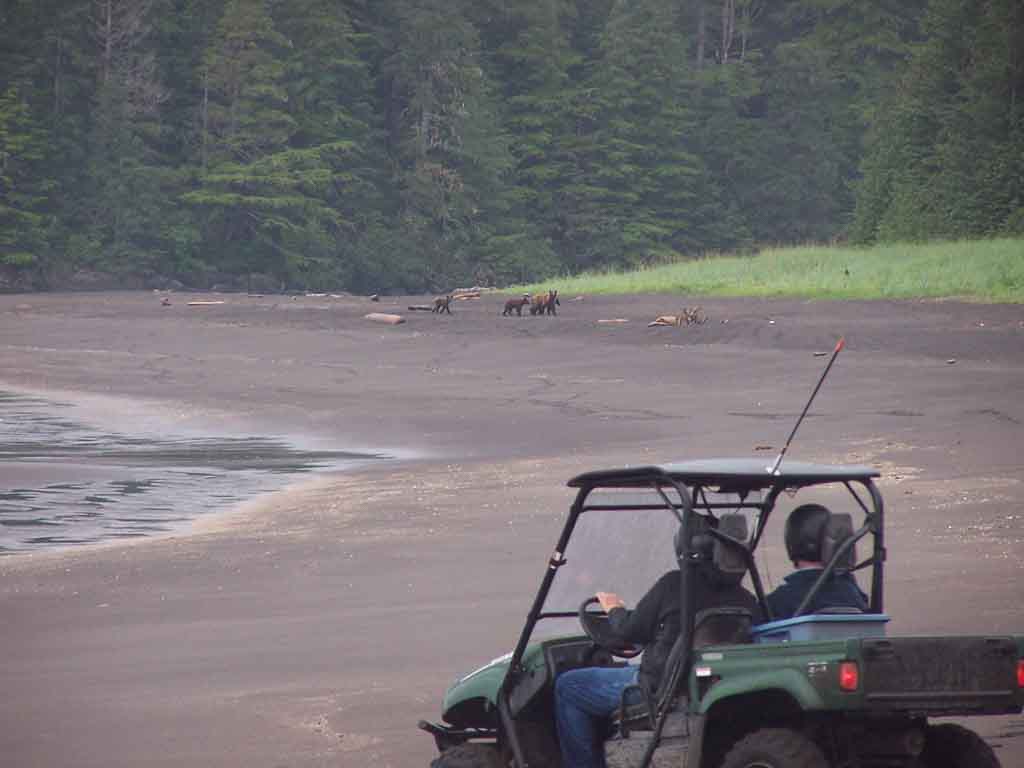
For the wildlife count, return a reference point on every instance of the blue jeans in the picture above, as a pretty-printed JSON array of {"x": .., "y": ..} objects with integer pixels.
[{"x": 584, "y": 698}]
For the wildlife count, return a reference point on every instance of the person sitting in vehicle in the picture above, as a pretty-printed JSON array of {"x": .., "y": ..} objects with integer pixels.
[
  {"x": 587, "y": 697},
  {"x": 806, "y": 529}
]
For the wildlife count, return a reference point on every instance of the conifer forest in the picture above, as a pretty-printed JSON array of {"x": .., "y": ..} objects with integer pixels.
[{"x": 416, "y": 145}]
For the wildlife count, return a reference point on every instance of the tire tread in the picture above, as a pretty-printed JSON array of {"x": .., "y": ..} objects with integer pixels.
[
  {"x": 777, "y": 748},
  {"x": 470, "y": 755},
  {"x": 949, "y": 745}
]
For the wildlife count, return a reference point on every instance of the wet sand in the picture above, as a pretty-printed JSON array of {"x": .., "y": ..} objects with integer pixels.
[{"x": 315, "y": 626}]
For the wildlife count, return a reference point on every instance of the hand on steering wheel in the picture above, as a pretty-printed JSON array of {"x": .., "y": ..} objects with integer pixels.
[{"x": 595, "y": 624}]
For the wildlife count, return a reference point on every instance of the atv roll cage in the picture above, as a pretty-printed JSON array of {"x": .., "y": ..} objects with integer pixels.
[{"x": 683, "y": 489}]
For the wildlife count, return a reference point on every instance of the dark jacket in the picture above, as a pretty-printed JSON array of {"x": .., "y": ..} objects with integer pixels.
[
  {"x": 839, "y": 591},
  {"x": 655, "y": 622}
]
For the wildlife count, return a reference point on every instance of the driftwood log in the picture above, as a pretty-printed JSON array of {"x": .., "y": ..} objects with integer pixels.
[
  {"x": 421, "y": 307},
  {"x": 474, "y": 291},
  {"x": 383, "y": 317}
]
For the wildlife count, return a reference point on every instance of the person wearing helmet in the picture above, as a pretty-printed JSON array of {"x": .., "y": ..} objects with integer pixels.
[
  {"x": 586, "y": 697},
  {"x": 805, "y": 530}
]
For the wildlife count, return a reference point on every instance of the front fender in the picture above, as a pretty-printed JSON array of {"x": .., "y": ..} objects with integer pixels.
[
  {"x": 481, "y": 684},
  {"x": 480, "y": 688}
]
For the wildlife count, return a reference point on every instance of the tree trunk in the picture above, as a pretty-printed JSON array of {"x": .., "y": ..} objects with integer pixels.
[
  {"x": 107, "y": 43},
  {"x": 57, "y": 72},
  {"x": 205, "y": 117},
  {"x": 701, "y": 30},
  {"x": 1012, "y": 29},
  {"x": 728, "y": 27}
]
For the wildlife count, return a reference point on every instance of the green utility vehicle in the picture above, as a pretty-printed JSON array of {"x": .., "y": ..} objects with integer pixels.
[{"x": 825, "y": 690}]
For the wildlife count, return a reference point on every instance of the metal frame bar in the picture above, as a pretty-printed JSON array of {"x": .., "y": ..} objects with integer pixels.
[{"x": 683, "y": 510}]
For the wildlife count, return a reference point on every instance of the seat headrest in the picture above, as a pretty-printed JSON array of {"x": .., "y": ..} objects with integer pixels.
[
  {"x": 729, "y": 561},
  {"x": 734, "y": 526},
  {"x": 803, "y": 533},
  {"x": 700, "y": 540},
  {"x": 838, "y": 529}
]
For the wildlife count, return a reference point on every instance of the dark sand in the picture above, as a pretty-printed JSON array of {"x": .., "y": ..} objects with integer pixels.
[{"x": 315, "y": 626}]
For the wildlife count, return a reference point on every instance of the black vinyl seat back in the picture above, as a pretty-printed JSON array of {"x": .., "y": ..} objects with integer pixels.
[
  {"x": 726, "y": 625},
  {"x": 722, "y": 626},
  {"x": 730, "y": 564},
  {"x": 836, "y": 531}
]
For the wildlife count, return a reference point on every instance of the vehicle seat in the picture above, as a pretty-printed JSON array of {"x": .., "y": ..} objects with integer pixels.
[
  {"x": 713, "y": 626},
  {"x": 726, "y": 625},
  {"x": 837, "y": 530},
  {"x": 730, "y": 565}
]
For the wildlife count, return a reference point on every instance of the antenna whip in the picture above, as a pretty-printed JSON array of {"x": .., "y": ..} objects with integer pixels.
[{"x": 774, "y": 469}]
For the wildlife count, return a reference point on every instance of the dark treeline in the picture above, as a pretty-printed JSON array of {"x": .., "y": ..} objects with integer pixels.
[{"x": 409, "y": 145}]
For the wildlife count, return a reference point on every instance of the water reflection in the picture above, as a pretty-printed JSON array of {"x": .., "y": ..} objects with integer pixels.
[{"x": 64, "y": 482}]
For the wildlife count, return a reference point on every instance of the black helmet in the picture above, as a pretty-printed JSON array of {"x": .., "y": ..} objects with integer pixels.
[{"x": 804, "y": 528}]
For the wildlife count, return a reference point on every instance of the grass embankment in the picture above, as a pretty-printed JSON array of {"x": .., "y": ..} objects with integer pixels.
[{"x": 976, "y": 270}]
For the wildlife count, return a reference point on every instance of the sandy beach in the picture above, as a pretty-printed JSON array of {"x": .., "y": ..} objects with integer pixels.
[{"x": 316, "y": 625}]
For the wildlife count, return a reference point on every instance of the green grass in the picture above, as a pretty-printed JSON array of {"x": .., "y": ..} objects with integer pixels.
[{"x": 973, "y": 270}]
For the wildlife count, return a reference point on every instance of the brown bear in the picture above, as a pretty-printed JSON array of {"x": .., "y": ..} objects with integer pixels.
[
  {"x": 544, "y": 303},
  {"x": 516, "y": 305},
  {"x": 552, "y": 302}
]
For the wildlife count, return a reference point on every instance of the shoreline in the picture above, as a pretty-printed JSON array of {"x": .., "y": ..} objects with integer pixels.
[{"x": 110, "y": 457}]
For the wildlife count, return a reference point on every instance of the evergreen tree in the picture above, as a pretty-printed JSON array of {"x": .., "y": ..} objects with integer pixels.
[
  {"x": 45, "y": 55},
  {"x": 798, "y": 190},
  {"x": 530, "y": 51},
  {"x": 180, "y": 36},
  {"x": 25, "y": 180},
  {"x": 946, "y": 157},
  {"x": 452, "y": 157},
  {"x": 23, "y": 188},
  {"x": 330, "y": 95},
  {"x": 415, "y": 144},
  {"x": 260, "y": 199},
  {"x": 641, "y": 163},
  {"x": 727, "y": 142},
  {"x": 118, "y": 198}
]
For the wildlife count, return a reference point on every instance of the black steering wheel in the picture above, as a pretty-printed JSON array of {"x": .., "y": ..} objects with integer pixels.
[{"x": 595, "y": 624}]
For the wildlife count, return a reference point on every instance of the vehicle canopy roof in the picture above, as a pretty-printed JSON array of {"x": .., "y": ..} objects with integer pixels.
[{"x": 736, "y": 474}]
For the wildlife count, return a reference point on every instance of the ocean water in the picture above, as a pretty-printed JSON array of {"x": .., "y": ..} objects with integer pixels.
[{"x": 67, "y": 481}]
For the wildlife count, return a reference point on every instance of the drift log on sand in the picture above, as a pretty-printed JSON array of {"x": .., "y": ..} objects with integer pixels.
[
  {"x": 471, "y": 293},
  {"x": 383, "y": 317},
  {"x": 421, "y": 307}
]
